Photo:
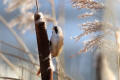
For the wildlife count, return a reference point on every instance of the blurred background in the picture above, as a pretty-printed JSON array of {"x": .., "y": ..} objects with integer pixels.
[{"x": 18, "y": 45}]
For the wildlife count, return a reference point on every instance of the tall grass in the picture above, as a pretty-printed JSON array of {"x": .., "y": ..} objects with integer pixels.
[
  {"x": 106, "y": 29},
  {"x": 24, "y": 21}
]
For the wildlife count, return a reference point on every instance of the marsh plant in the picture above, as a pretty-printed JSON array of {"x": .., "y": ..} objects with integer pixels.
[{"x": 101, "y": 22}]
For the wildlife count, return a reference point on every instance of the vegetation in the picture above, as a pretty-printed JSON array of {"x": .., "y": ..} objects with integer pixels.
[{"x": 100, "y": 23}]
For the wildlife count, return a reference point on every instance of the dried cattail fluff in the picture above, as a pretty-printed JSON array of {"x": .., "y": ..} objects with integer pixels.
[
  {"x": 51, "y": 65},
  {"x": 41, "y": 18}
]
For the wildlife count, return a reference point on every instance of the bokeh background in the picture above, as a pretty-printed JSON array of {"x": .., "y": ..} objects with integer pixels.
[{"x": 79, "y": 67}]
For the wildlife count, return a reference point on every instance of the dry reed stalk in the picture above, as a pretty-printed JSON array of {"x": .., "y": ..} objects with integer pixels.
[
  {"x": 118, "y": 66},
  {"x": 103, "y": 71},
  {"x": 117, "y": 36},
  {"x": 20, "y": 41},
  {"x": 18, "y": 57},
  {"x": 60, "y": 70},
  {"x": 61, "y": 13},
  {"x": 12, "y": 66},
  {"x": 53, "y": 11},
  {"x": 15, "y": 5},
  {"x": 59, "y": 77},
  {"x": 7, "y": 61},
  {"x": 12, "y": 5},
  {"x": 15, "y": 47},
  {"x": 28, "y": 70},
  {"x": 55, "y": 23},
  {"x": 9, "y": 78}
]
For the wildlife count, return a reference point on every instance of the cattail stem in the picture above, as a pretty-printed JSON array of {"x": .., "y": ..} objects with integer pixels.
[
  {"x": 37, "y": 6},
  {"x": 43, "y": 49}
]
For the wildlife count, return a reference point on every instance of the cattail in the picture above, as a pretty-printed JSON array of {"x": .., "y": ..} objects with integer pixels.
[{"x": 45, "y": 58}]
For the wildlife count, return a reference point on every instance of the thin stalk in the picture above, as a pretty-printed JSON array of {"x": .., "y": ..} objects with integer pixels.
[
  {"x": 117, "y": 36},
  {"x": 20, "y": 41},
  {"x": 37, "y": 6},
  {"x": 28, "y": 70},
  {"x": 118, "y": 67},
  {"x": 20, "y": 49},
  {"x": 9, "y": 78},
  {"x": 7, "y": 61},
  {"x": 12, "y": 66},
  {"x": 18, "y": 57},
  {"x": 53, "y": 11},
  {"x": 55, "y": 23}
]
